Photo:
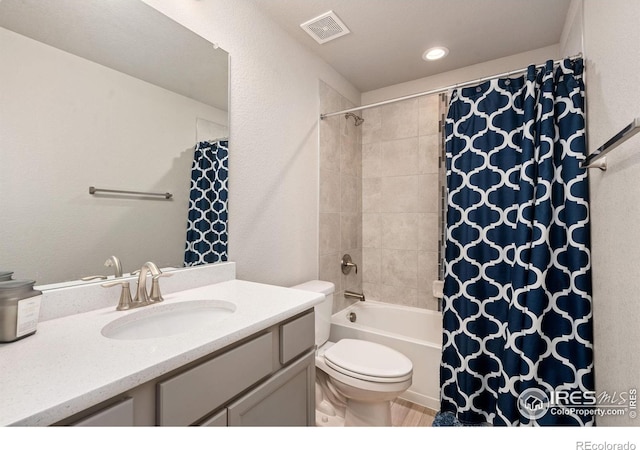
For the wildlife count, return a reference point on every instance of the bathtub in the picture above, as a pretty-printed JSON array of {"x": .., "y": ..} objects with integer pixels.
[{"x": 415, "y": 332}]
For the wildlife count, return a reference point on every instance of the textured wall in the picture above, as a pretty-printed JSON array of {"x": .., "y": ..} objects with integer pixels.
[
  {"x": 274, "y": 112},
  {"x": 612, "y": 39}
]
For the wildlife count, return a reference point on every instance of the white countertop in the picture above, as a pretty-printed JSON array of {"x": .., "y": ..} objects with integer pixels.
[{"x": 68, "y": 366}]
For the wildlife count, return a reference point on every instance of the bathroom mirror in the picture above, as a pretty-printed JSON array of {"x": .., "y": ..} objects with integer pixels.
[{"x": 110, "y": 94}]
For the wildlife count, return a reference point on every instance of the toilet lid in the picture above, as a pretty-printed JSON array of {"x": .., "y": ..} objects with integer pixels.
[{"x": 368, "y": 358}]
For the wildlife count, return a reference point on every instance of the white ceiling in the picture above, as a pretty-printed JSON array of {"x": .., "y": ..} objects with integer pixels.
[{"x": 388, "y": 37}]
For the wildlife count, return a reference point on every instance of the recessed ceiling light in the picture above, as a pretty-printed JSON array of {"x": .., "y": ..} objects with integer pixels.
[{"x": 435, "y": 53}]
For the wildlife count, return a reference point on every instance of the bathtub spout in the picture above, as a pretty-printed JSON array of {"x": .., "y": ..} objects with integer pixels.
[{"x": 349, "y": 294}]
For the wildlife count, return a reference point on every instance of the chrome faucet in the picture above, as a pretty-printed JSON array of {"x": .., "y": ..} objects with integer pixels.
[
  {"x": 114, "y": 262},
  {"x": 154, "y": 295},
  {"x": 142, "y": 298}
]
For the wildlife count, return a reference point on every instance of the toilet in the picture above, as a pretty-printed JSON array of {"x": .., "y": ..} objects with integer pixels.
[{"x": 356, "y": 380}]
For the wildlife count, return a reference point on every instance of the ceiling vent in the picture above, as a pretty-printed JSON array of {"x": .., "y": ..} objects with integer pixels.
[{"x": 325, "y": 28}]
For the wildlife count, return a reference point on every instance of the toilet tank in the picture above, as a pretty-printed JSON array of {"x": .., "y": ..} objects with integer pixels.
[{"x": 322, "y": 310}]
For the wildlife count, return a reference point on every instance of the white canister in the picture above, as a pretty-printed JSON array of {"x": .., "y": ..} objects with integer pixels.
[{"x": 19, "y": 309}]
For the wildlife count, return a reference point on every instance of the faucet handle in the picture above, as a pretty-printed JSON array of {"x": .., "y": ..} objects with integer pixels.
[
  {"x": 125, "y": 302},
  {"x": 94, "y": 277},
  {"x": 155, "y": 295},
  {"x": 347, "y": 264}
]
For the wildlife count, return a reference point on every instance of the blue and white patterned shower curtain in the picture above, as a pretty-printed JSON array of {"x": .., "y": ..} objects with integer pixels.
[
  {"x": 517, "y": 297},
  {"x": 207, "y": 222}
]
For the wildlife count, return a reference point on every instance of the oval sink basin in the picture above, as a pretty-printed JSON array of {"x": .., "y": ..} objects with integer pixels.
[{"x": 169, "y": 319}]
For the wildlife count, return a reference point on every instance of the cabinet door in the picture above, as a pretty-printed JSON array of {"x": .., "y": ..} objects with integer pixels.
[{"x": 286, "y": 399}]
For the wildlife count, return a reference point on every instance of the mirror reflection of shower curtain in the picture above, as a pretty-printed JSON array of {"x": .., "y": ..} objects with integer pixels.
[
  {"x": 207, "y": 219},
  {"x": 518, "y": 310}
]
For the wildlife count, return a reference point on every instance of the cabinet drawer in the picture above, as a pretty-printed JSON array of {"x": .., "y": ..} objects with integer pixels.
[
  {"x": 296, "y": 336},
  {"x": 118, "y": 415},
  {"x": 187, "y": 397}
]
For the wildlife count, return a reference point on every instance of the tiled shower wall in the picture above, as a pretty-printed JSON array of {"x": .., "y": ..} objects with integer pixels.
[
  {"x": 400, "y": 197},
  {"x": 340, "y": 196}
]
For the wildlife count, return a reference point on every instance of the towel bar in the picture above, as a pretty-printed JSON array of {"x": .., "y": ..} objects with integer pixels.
[
  {"x": 619, "y": 138},
  {"x": 166, "y": 195}
]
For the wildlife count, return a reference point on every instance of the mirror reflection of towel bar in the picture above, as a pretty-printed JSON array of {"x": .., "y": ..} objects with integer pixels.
[{"x": 166, "y": 195}]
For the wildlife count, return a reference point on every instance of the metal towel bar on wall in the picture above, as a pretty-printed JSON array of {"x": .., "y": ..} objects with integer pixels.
[
  {"x": 619, "y": 138},
  {"x": 165, "y": 195}
]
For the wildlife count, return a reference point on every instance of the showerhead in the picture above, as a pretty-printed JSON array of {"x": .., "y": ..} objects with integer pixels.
[{"x": 358, "y": 120}]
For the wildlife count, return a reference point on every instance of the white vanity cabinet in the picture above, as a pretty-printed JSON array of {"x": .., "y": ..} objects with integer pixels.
[{"x": 267, "y": 379}]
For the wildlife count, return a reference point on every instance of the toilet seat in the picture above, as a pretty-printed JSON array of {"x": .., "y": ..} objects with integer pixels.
[
  {"x": 368, "y": 361},
  {"x": 356, "y": 381}
]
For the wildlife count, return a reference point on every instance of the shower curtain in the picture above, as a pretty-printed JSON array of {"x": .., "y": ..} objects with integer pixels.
[
  {"x": 517, "y": 297},
  {"x": 207, "y": 220}
]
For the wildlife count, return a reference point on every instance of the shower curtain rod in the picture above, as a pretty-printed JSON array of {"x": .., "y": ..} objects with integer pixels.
[{"x": 442, "y": 89}]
